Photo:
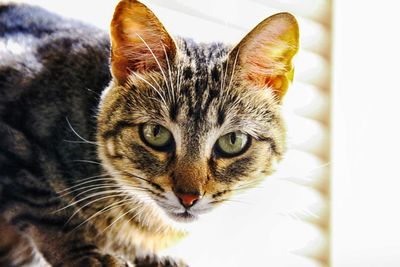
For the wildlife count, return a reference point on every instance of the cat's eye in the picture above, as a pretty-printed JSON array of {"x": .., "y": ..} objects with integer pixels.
[
  {"x": 232, "y": 144},
  {"x": 156, "y": 136}
]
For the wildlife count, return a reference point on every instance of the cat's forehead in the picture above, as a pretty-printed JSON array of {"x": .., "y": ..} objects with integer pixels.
[
  {"x": 199, "y": 93},
  {"x": 200, "y": 72},
  {"x": 200, "y": 59}
]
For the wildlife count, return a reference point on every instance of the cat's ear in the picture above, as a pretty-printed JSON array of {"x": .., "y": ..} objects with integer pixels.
[
  {"x": 139, "y": 42},
  {"x": 264, "y": 56}
]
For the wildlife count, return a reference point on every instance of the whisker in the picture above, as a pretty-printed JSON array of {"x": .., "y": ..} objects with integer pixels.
[
  {"x": 241, "y": 189},
  {"x": 103, "y": 178},
  {"x": 155, "y": 81},
  {"x": 304, "y": 178},
  {"x": 236, "y": 201},
  {"x": 85, "y": 181},
  {"x": 170, "y": 74},
  {"x": 152, "y": 86},
  {"x": 155, "y": 185},
  {"x": 97, "y": 187},
  {"x": 78, "y": 135},
  {"x": 108, "y": 173},
  {"x": 132, "y": 217},
  {"x": 155, "y": 58},
  {"x": 233, "y": 70},
  {"x": 94, "y": 176},
  {"x": 84, "y": 187},
  {"x": 109, "y": 207},
  {"x": 290, "y": 214},
  {"x": 224, "y": 80},
  {"x": 116, "y": 220},
  {"x": 102, "y": 193},
  {"x": 180, "y": 80},
  {"x": 222, "y": 74},
  {"x": 103, "y": 186},
  {"x": 226, "y": 71},
  {"x": 80, "y": 142},
  {"x": 88, "y": 161},
  {"x": 249, "y": 184},
  {"x": 90, "y": 196}
]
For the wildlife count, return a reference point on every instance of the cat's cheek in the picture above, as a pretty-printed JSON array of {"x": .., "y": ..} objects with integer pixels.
[
  {"x": 264, "y": 159},
  {"x": 110, "y": 146},
  {"x": 214, "y": 187}
]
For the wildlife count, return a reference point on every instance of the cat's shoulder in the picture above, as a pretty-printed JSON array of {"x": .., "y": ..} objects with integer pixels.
[
  {"x": 41, "y": 48},
  {"x": 24, "y": 19}
]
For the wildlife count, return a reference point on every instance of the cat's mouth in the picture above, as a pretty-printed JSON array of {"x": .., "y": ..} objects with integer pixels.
[{"x": 185, "y": 216}]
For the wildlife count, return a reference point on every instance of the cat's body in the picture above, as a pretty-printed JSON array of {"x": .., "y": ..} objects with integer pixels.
[
  {"x": 40, "y": 91},
  {"x": 63, "y": 192}
]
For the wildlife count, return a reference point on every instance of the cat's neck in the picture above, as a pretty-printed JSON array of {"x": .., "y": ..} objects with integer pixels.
[{"x": 148, "y": 232}]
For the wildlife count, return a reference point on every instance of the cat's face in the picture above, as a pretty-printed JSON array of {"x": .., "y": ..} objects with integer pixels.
[{"x": 183, "y": 126}]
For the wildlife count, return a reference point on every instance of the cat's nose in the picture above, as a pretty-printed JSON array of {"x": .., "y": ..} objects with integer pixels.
[{"x": 188, "y": 199}]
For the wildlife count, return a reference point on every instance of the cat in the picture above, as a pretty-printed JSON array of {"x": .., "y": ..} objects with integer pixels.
[{"x": 107, "y": 144}]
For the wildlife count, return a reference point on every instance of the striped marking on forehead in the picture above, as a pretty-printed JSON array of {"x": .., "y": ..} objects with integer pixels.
[{"x": 201, "y": 72}]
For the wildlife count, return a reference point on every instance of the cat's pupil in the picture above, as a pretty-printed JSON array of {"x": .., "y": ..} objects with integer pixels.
[
  {"x": 156, "y": 130},
  {"x": 233, "y": 138}
]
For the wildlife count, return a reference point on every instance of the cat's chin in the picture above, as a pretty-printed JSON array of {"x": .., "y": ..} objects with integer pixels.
[{"x": 185, "y": 217}]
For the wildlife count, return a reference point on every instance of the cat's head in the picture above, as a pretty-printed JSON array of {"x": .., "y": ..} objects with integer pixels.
[{"x": 185, "y": 125}]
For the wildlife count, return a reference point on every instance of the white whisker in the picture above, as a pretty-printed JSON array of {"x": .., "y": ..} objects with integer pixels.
[
  {"x": 118, "y": 218},
  {"x": 67, "y": 192},
  {"x": 78, "y": 135},
  {"x": 97, "y": 187},
  {"x": 233, "y": 70},
  {"x": 88, "y": 161},
  {"x": 152, "y": 86},
  {"x": 155, "y": 58},
  {"x": 90, "y": 196},
  {"x": 111, "y": 206},
  {"x": 85, "y": 181},
  {"x": 170, "y": 75}
]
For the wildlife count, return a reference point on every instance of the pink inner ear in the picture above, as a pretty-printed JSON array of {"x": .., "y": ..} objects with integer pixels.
[
  {"x": 139, "y": 41},
  {"x": 145, "y": 51},
  {"x": 266, "y": 54},
  {"x": 141, "y": 50}
]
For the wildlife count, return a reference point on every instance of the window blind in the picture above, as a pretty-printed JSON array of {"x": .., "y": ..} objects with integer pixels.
[{"x": 285, "y": 221}]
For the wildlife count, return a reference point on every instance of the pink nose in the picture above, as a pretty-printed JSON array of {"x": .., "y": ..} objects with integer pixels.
[{"x": 188, "y": 200}]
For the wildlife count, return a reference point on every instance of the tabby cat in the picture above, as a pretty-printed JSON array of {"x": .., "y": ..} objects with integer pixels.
[{"x": 102, "y": 156}]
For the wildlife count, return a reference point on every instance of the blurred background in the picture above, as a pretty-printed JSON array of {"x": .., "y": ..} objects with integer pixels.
[{"x": 335, "y": 198}]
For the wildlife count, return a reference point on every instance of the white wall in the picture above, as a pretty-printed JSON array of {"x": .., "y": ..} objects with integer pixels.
[{"x": 366, "y": 134}]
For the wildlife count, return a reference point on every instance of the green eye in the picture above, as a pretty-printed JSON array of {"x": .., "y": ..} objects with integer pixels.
[
  {"x": 156, "y": 136},
  {"x": 233, "y": 144}
]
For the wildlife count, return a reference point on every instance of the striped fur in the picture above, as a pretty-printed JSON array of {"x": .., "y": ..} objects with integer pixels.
[{"x": 78, "y": 185}]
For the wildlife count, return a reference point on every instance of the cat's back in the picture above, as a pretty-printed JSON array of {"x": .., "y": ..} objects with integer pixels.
[
  {"x": 52, "y": 71},
  {"x": 48, "y": 64},
  {"x": 38, "y": 46}
]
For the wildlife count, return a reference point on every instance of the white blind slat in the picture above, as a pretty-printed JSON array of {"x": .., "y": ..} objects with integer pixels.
[
  {"x": 308, "y": 101},
  {"x": 317, "y": 10},
  {"x": 312, "y": 68},
  {"x": 314, "y": 140},
  {"x": 314, "y": 36},
  {"x": 304, "y": 168},
  {"x": 305, "y": 203},
  {"x": 300, "y": 233}
]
